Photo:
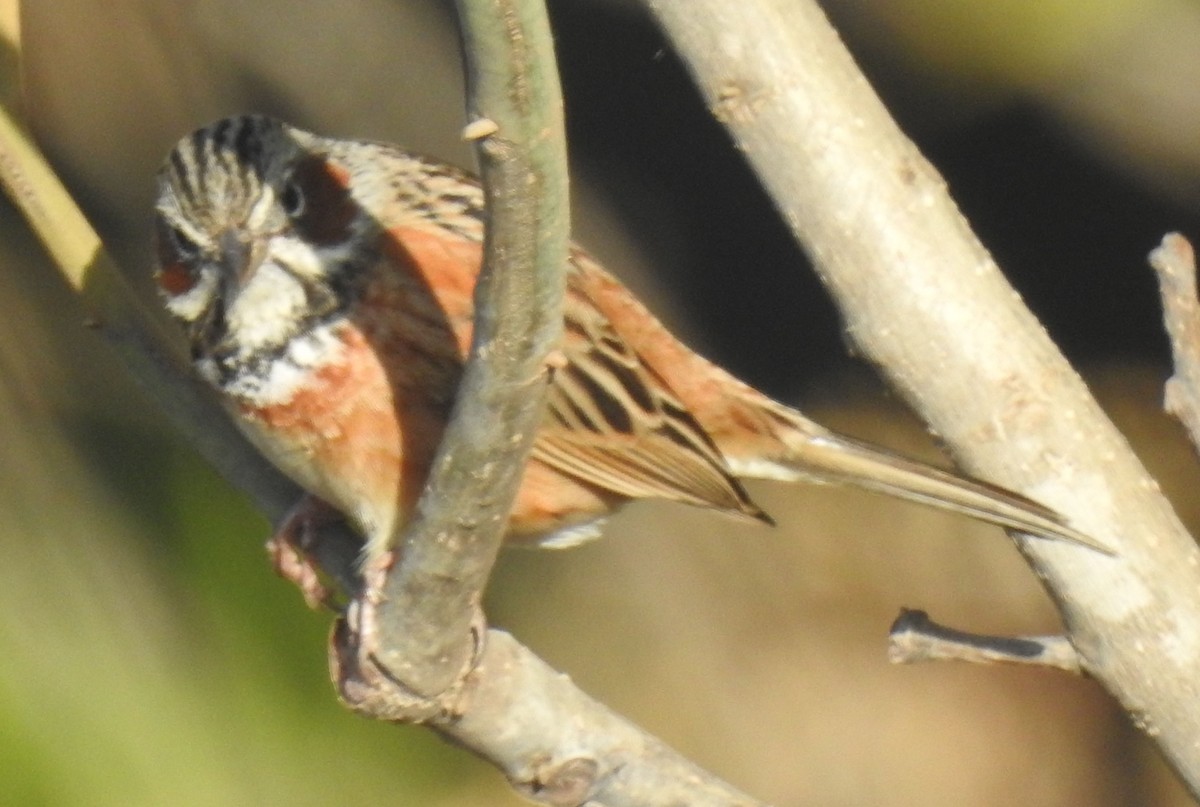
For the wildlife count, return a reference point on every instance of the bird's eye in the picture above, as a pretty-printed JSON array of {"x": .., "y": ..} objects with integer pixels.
[
  {"x": 292, "y": 200},
  {"x": 184, "y": 246}
]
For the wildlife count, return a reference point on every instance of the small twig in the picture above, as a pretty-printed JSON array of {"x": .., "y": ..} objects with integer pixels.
[
  {"x": 1175, "y": 264},
  {"x": 914, "y": 637}
]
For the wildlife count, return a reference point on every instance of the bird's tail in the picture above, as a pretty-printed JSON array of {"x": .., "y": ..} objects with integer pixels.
[{"x": 811, "y": 452}]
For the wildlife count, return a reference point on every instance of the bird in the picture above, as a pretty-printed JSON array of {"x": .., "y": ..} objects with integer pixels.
[{"x": 325, "y": 289}]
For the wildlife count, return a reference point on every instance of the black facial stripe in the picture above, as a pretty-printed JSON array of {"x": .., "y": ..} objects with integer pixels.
[
  {"x": 209, "y": 329},
  {"x": 322, "y": 301},
  {"x": 326, "y": 216},
  {"x": 330, "y": 296},
  {"x": 200, "y": 188},
  {"x": 247, "y": 146},
  {"x": 181, "y": 175},
  {"x": 220, "y": 132},
  {"x": 221, "y": 135},
  {"x": 343, "y": 280}
]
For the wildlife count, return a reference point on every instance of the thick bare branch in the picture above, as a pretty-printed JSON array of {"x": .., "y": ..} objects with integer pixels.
[{"x": 924, "y": 300}]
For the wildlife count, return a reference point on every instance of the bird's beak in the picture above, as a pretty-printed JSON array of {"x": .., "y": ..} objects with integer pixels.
[{"x": 240, "y": 257}]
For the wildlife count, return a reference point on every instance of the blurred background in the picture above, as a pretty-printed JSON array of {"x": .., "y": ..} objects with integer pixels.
[{"x": 148, "y": 655}]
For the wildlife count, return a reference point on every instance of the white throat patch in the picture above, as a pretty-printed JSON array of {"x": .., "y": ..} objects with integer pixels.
[{"x": 273, "y": 379}]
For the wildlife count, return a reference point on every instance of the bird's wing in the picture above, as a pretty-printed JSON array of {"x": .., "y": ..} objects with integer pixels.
[{"x": 612, "y": 422}]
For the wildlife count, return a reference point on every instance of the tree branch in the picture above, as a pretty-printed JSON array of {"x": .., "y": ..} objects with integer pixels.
[
  {"x": 554, "y": 743},
  {"x": 430, "y": 599},
  {"x": 1175, "y": 264},
  {"x": 914, "y": 637},
  {"x": 924, "y": 300}
]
